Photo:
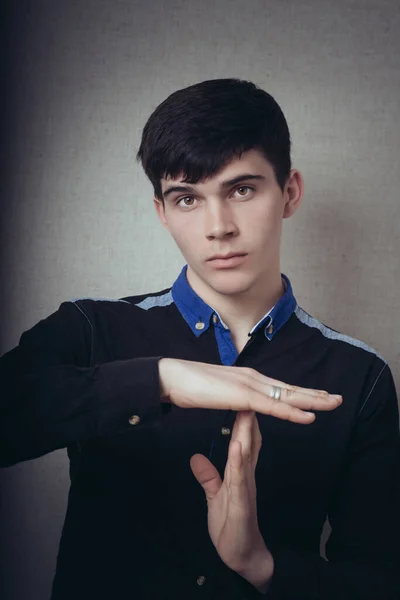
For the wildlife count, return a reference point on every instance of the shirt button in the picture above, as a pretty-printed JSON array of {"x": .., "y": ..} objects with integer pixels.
[
  {"x": 134, "y": 420},
  {"x": 199, "y": 325},
  {"x": 200, "y": 580},
  {"x": 225, "y": 431},
  {"x": 215, "y": 319}
]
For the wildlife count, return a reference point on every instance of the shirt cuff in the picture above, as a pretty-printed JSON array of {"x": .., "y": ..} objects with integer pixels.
[{"x": 128, "y": 394}]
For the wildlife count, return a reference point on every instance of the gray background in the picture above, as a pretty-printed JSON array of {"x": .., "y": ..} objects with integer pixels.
[{"x": 77, "y": 215}]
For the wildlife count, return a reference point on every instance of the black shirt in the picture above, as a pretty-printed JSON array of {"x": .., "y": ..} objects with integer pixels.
[{"x": 86, "y": 378}]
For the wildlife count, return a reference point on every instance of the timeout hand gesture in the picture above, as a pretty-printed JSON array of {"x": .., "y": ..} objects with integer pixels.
[{"x": 232, "y": 508}]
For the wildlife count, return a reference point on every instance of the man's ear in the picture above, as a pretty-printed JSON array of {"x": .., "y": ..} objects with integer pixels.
[
  {"x": 294, "y": 190},
  {"x": 160, "y": 210}
]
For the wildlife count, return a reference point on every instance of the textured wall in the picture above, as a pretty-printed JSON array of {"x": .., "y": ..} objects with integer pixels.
[{"x": 77, "y": 216}]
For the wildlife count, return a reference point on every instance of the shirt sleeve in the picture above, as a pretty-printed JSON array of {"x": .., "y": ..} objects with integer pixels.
[
  {"x": 51, "y": 398},
  {"x": 363, "y": 548}
]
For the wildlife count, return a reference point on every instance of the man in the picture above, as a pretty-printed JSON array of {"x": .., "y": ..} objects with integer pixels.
[{"x": 289, "y": 420}]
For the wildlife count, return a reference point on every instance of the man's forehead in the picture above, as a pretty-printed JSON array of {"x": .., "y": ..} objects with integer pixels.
[{"x": 251, "y": 162}]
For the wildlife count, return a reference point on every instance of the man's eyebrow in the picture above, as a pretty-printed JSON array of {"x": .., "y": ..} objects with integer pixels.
[{"x": 223, "y": 185}]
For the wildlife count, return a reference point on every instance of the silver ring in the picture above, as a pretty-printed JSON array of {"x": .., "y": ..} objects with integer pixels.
[{"x": 276, "y": 392}]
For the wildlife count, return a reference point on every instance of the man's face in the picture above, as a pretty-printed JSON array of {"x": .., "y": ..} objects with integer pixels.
[{"x": 238, "y": 210}]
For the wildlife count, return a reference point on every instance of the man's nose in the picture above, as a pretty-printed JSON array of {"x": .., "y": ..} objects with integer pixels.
[{"x": 219, "y": 221}]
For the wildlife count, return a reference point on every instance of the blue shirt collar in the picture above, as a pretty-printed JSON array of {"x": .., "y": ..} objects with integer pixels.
[{"x": 199, "y": 315}]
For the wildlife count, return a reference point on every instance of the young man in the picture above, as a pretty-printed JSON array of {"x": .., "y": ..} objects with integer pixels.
[{"x": 227, "y": 499}]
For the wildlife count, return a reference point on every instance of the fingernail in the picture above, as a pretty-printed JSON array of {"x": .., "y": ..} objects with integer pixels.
[
  {"x": 338, "y": 398},
  {"x": 310, "y": 414}
]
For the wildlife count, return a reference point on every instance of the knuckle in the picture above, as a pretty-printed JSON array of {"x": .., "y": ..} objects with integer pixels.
[
  {"x": 248, "y": 372},
  {"x": 275, "y": 407},
  {"x": 290, "y": 393}
]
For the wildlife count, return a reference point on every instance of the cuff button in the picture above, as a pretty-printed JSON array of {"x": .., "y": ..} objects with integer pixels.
[{"x": 134, "y": 420}]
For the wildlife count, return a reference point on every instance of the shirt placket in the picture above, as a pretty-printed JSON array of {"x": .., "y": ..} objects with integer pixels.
[{"x": 224, "y": 420}]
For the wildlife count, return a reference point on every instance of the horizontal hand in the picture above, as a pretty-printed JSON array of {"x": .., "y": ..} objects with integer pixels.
[{"x": 190, "y": 384}]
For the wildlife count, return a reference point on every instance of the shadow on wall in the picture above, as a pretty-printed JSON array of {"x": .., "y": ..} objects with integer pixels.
[{"x": 339, "y": 264}]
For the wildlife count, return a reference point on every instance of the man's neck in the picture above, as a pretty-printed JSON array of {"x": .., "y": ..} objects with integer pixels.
[{"x": 240, "y": 312}]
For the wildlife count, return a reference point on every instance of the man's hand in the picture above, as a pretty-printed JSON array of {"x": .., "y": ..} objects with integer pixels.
[
  {"x": 232, "y": 507},
  {"x": 191, "y": 384}
]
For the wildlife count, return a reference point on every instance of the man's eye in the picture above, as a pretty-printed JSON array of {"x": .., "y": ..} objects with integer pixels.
[
  {"x": 246, "y": 188},
  {"x": 185, "y": 198}
]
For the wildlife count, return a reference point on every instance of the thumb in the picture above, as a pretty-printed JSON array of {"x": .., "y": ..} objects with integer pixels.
[{"x": 206, "y": 474}]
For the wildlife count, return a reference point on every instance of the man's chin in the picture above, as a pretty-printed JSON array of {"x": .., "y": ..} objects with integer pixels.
[{"x": 229, "y": 284}]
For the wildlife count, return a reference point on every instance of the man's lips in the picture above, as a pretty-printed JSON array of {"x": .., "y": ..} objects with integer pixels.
[
  {"x": 228, "y": 261},
  {"x": 226, "y": 256}
]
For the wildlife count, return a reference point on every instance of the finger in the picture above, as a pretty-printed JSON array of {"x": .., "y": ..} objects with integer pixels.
[
  {"x": 308, "y": 391},
  {"x": 263, "y": 379},
  {"x": 249, "y": 436},
  {"x": 234, "y": 434},
  {"x": 256, "y": 442},
  {"x": 206, "y": 474},
  {"x": 243, "y": 433},
  {"x": 236, "y": 425},
  {"x": 295, "y": 397},
  {"x": 246, "y": 431},
  {"x": 237, "y": 481},
  {"x": 300, "y": 399},
  {"x": 262, "y": 403}
]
